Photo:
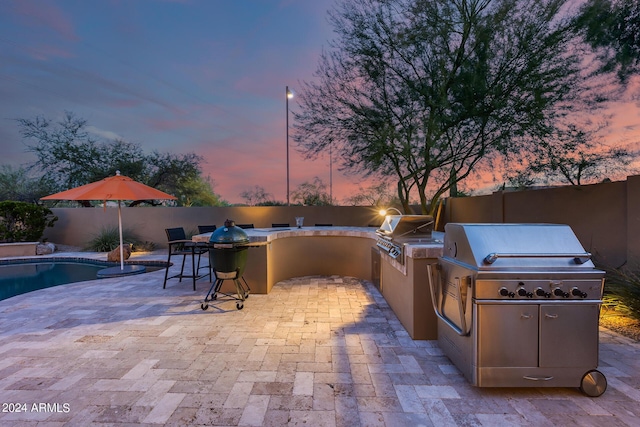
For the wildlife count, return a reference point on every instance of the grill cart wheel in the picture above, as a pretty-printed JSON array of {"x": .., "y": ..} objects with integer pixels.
[
  {"x": 239, "y": 306},
  {"x": 204, "y": 306},
  {"x": 593, "y": 383}
]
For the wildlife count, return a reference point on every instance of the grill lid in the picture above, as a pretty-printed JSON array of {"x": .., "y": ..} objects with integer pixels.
[
  {"x": 511, "y": 246},
  {"x": 397, "y": 226},
  {"x": 229, "y": 235}
]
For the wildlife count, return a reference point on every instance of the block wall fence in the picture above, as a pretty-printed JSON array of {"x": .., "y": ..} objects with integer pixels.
[
  {"x": 605, "y": 217},
  {"x": 77, "y": 226}
]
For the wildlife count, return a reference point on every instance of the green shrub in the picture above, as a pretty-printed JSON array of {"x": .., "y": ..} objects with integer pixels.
[
  {"x": 109, "y": 238},
  {"x": 622, "y": 293},
  {"x": 23, "y": 222}
]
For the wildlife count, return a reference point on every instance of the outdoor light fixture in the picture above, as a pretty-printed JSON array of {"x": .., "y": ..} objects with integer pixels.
[
  {"x": 289, "y": 94},
  {"x": 385, "y": 212}
]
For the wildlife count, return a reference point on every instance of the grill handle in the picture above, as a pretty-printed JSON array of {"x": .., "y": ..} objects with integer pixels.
[
  {"x": 414, "y": 230},
  {"x": 577, "y": 258},
  {"x": 531, "y": 378}
]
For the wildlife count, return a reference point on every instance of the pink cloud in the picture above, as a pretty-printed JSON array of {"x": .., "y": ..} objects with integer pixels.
[
  {"x": 39, "y": 14},
  {"x": 44, "y": 52},
  {"x": 168, "y": 125},
  {"x": 125, "y": 103}
]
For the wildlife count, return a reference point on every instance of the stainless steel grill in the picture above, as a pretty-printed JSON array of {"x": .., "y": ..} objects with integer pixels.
[
  {"x": 518, "y": 305},
  {"x": 398, "y": 230}
]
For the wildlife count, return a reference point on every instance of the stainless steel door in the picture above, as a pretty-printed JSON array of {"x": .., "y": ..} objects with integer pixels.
[
  {"x": 507, "y": 335},
  {"x": 569, "y": 335}
]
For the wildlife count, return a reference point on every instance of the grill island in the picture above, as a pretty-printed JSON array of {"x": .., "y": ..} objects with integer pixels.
[
  {"x": 397, "y": 230},
  {"x": 404, "y": 245},
  {"x": 518, "y": 305},
  {"x": 228, "y": 247}
]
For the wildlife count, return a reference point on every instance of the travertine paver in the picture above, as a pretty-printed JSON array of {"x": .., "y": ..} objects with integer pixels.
[{"x": 317, "y": 351}]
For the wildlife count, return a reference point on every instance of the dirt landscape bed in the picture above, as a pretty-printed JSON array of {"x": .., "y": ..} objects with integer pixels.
[{"x": 623, "y": 325}]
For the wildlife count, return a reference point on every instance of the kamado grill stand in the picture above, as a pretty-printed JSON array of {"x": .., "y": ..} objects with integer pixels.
[
  {"x": 228, "y": 247},
  {"x": 518, "y": 306}
]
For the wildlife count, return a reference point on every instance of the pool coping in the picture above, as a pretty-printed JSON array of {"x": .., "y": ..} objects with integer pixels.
[{"x": 85, "y": 260}]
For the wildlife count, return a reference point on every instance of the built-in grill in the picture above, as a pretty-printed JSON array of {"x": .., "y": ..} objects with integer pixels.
[
  {"x": 518, "y": 305},
  {"x": 398, "y": 230}
]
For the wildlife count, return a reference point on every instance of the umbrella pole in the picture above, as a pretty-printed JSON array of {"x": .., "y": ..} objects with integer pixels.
[{"x": 120, "y": 230}]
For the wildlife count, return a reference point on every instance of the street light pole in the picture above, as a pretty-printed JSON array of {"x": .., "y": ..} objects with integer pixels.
[
  {"x": 331, "y": 171},
  {"x": 288, "y": 94}
]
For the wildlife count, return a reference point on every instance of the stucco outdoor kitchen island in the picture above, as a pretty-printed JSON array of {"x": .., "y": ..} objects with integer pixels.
[{"x": 285, "y": 253}]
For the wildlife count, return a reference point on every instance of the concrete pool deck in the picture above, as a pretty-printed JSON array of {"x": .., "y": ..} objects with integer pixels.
[{"x": 316, "y": 351}]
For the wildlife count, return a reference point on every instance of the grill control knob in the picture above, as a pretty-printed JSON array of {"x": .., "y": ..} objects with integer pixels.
[
  {"x": 542, "y": 293},
  {"x": 578, "y": 293},
  {"x": 560, "y": 293},
  {"x": 505, "y": 292},
  {"x": 523, "y": 293}
]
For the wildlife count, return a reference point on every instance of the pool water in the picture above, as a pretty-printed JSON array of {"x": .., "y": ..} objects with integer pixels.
[{"x": 16, "y": 279}]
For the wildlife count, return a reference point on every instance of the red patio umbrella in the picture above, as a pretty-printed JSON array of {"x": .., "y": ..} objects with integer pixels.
[{"x": 117, "y": 188}]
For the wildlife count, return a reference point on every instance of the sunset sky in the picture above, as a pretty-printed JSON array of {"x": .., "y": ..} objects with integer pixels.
[
  {"x": 207, "y": 77},
  {"x": 181, "y": 76}
]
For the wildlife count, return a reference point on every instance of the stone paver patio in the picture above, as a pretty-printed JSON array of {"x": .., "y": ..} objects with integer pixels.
[{"x": 316, "y": 351}]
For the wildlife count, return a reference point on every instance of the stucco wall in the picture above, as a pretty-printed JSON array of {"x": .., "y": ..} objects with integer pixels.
[
  {"x": 605, "y": 217},
  {"x": 77, "y": 226}
]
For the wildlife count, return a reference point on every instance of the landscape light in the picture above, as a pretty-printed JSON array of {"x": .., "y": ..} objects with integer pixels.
[{"x": 385, "y": 212}]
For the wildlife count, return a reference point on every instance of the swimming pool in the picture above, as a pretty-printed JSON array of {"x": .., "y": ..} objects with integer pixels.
[{"x": 31, "y": 275}]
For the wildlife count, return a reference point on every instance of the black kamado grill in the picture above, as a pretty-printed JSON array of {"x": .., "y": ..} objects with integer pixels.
[{"x": 228, "y": 247}]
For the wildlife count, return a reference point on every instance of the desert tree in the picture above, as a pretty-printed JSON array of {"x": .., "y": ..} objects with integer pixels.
[
  {"x": 612, "y": 27},
  {"x": 376, "y": 194},
  {"x": 18, "y": 184},
  {"x": 573, "y": 155},
  {"x": 68, "y": 155},
  {"x": 431, "y": 92},
  {"x": 312, "y": 193},
  {"x": 257, "y": 195}
]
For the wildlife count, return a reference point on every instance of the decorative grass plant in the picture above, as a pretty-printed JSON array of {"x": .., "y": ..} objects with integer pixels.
[
  {"x": 109, "y": 238},
  {"x": 622, "y": 293}
]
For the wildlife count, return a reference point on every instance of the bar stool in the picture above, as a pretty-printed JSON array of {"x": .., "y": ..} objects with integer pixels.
[
  {"x": 179, "y": 245},
  {"x": 206, "y": 229}
]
